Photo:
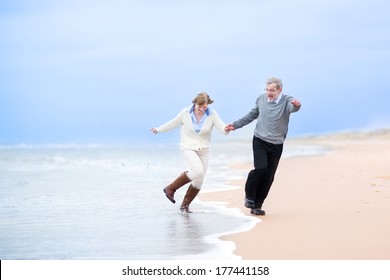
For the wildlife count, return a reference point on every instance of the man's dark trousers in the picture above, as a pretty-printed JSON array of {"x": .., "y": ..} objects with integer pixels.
[{"x": 266, "y": 158}]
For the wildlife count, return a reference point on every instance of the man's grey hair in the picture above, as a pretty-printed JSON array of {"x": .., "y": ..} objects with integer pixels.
[{"x": 274, "y": 80}]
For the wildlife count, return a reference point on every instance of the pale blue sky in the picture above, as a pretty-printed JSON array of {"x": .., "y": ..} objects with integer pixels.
[{"x": 81, "y": 71}]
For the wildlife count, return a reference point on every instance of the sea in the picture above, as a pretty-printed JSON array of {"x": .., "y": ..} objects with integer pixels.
[{"x": 105, "y": 202}]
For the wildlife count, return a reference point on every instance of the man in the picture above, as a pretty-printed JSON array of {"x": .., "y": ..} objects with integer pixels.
[{"x": 272, "y": 111}]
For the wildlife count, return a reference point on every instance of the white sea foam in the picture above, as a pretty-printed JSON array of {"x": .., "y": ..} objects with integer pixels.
[{"x": 106, "y": 202}]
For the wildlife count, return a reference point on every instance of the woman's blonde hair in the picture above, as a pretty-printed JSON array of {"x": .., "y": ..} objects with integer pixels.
[{"x": 202, "y": 98}]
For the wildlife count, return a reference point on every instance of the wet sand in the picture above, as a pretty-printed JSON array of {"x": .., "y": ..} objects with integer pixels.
[{"x": 329, "y": 207}]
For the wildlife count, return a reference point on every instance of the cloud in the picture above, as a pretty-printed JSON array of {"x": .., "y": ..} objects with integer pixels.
[{"x": 122, "y": 62}]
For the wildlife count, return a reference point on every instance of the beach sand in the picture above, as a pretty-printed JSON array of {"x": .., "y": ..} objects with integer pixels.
[{"x": 334, "y": 206}]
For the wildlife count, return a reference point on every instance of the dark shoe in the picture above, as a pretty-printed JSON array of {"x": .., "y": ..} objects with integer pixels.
[
  {"x": 258, "y": 212},
  {"x": 249, "y": 203}
]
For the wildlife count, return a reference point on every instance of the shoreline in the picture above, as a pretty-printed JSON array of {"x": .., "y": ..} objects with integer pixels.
[{"x": 334, "y": 206}]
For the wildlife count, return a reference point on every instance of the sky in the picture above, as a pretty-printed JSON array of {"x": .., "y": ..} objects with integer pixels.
[{"x": 93, "y": 71}]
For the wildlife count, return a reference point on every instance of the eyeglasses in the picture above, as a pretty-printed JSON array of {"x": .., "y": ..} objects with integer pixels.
[{"x": 272, "y": 90}]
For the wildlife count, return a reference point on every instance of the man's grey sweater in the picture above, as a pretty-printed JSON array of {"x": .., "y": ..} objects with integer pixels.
[{"x": 272, "y": 118}]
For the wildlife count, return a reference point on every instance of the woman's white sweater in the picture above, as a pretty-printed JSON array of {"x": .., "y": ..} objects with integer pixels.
[{"x": 189, "y": 139}]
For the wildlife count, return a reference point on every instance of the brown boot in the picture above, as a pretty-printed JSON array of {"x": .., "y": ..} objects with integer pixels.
[
  {"x": 178, "y": 183},
  {"x": 188, "y": 198}
]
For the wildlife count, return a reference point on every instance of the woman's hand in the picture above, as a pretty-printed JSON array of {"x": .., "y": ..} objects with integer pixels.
[
  {"x": 153, "y": 130},
  {"x": 230, "y": 127}
]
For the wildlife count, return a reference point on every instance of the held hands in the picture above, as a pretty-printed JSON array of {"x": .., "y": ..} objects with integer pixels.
[
  {"x": 296, "y": 103},
  {"x": 230, "y": 127}
]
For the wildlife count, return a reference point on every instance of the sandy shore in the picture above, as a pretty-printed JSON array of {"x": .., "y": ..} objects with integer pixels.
[{"x": 330, "y": 207}]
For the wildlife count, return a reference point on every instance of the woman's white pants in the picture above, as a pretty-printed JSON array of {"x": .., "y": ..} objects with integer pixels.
[{"x": 197, "y": 162}]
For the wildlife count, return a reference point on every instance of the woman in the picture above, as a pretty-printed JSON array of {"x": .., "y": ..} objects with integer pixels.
[{"x": 196, "y": 123}]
